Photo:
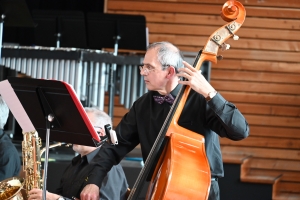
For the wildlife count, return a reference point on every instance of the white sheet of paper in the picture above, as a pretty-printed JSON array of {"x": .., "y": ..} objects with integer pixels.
[{"x": 15, "y": 106}]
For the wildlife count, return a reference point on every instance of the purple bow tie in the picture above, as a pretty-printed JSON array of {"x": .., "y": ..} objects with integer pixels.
[{"x": 160, "y": 99}]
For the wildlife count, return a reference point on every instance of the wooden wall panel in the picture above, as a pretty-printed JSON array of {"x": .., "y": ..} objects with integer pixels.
[
  {"x": 247, "y": 33},
  {"x": 264, "y": 3},
  {"x": 273, "y": 88},
  {"x": 198, "y": 8},
  {"x": 260, "y": 73},
  {"x": 266, "y": 153},
  {"x": 273, "y": 132},
  {"x": 284, "y": 100},
  {"x": 212, "y": 20},
  {"x": 279, "y": 143},
  {"x": 259, "y": 66},
  {"x": 266, "y": 77}
]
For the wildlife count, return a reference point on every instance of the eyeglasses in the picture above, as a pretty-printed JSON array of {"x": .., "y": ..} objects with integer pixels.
[
  {"x": 146, "y": 69},
  {"x": 97, "y": 129},
  {"x": 102, "y": 136}
]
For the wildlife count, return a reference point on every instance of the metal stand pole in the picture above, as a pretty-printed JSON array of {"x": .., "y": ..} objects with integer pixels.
[
  {"x": 1, "y": 33},
  {"x": 50, "y": 118},
  {"x": 112, "y": 80}
]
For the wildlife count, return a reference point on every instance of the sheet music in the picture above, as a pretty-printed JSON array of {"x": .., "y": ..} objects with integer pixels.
[{"x": 15, "y": 106}]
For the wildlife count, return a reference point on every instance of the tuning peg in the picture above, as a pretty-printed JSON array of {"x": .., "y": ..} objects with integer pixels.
[
  {"x": 230, "y": 28},
  {"x": 219, "y": 57},
  {"x": 225, "y": 46},
  {"x": 235, "y": 37}
]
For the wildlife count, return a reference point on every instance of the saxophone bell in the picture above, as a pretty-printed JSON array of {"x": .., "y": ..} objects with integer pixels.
[{"x": 11, "y": 189}]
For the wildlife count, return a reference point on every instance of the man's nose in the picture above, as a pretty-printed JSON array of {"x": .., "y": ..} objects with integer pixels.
[{"x": 142, "y": 72}]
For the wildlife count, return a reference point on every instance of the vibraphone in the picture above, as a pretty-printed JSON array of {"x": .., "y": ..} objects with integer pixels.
[{"x": 88, "y": 71}]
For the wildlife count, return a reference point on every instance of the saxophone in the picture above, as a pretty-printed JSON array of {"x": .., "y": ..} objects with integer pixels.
[
  {"x": 16, "y": 188},
  {"x": 31, "y": 156}
]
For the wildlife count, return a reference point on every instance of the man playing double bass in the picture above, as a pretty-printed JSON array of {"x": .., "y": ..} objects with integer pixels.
[{"x": 205, "y": 112}]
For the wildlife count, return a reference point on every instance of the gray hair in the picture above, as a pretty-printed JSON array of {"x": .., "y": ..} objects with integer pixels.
[
  {"x": 167, "y": 54},
  {"x": 101, "y": 117},
  {"x": 4, "y": 111}
]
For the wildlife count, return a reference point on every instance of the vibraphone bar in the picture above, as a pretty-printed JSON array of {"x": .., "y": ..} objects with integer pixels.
[{"x": 86, "y": 70}]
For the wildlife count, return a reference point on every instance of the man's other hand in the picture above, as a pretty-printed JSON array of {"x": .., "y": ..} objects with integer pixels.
[
  {"x": 90, "y": 192},
  {"x": 37, "y": 194}
]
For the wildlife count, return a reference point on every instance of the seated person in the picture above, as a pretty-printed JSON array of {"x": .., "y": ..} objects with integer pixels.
[
  {"x": 10, "y": 160},
  {"x": 75, "y": 177}
]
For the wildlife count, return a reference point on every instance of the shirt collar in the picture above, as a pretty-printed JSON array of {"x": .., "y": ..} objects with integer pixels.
[
  {"x": 89, "y": 157},
  {"x": 1, "y": 133},
  {"x": 174, "y": 92}
]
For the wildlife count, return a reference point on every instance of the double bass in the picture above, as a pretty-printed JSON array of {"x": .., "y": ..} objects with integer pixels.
[{"x": 177, "y": 162}]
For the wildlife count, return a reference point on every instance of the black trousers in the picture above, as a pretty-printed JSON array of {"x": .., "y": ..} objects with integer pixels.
[{"x": 214, "y": 192}]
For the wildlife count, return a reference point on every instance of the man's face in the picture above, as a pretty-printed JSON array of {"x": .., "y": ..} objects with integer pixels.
[
  {"x": 81, "y": 149},
  {"x": 156, "y": 79}
]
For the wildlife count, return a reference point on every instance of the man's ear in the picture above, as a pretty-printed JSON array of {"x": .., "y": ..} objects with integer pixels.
[{"x": 171, "y": 71}]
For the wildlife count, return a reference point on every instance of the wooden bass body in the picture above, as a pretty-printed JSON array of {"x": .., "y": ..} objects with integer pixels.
[{"x": 182, "y": 163}]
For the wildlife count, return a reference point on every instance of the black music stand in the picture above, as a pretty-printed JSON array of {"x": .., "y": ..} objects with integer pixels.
[
  {"x": 104, "y": 30},
  {"x": 43, "y": 97},
  {"x": 117, "y": 31},
  {"x": 53, "y": 105},
  {"x": 59, "y": 28},
  {"x": 14, "y": 13}
]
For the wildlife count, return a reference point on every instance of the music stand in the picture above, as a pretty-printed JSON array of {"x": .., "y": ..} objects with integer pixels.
[
  {"x": 59, "y": 28},
  {"x": 104, "y": 30},
  {"x": 116, "y": 31},
  {"x": 54, "y": 105},
  {"x": 43, "y": 97},
  {"x": 14, "y": 13}
]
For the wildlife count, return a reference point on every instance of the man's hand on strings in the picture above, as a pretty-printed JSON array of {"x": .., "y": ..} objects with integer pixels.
[{"x": 194, "y": 79}]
